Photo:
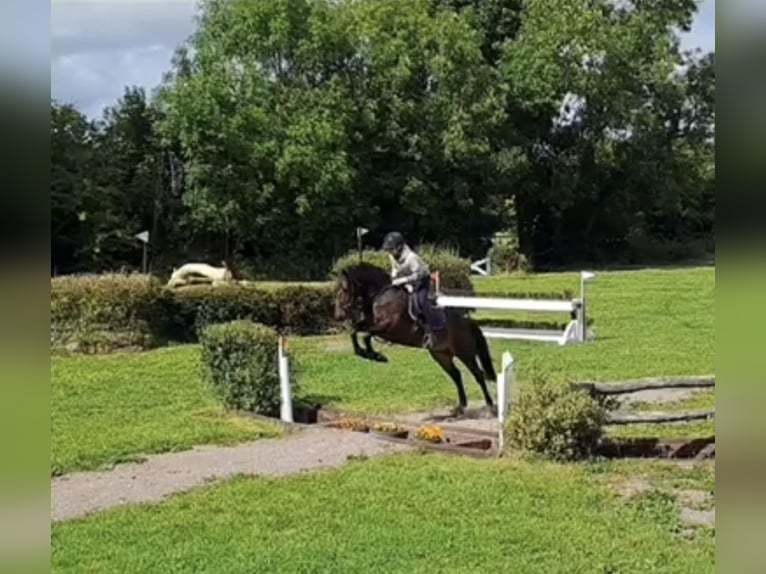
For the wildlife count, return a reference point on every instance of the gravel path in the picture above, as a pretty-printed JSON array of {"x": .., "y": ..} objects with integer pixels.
[{"x": 311, "y": 449}]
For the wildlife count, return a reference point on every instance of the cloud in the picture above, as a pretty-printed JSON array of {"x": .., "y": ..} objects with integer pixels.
[{"x": 100, "y": 47}]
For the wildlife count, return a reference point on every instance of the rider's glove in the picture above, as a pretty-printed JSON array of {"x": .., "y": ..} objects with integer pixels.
[{"x": 398, "y": 281}]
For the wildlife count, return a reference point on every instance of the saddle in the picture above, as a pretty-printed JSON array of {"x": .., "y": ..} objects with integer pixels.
[{"x": 436, "y": 313}]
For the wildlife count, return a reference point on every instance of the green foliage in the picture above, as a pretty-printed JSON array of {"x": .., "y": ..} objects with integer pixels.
[
  {"x": 98, "y": 313},
  {"x": 299, "y": 119},
  {"x": 240, "y": 362},
  {"x": 110, "y": 179},
  {"x": 373, "y": 257},
  {"x": 454, "y": 271},
  {"x": 505, "y": 256},
  {"x": 555, "y": 421},
  {"x": 295, "y": 309}
]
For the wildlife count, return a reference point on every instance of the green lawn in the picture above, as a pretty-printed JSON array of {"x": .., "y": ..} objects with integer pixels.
[
  {"x": 114, "y": 408},
  {"x": 647, "y": 323},
  {"x": 403, "y": 514}
]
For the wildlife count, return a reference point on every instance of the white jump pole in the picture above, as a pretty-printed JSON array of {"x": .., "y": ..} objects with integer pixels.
[
  {"x": 286, "y": 413},
  {"x": 504, "y": 385}
]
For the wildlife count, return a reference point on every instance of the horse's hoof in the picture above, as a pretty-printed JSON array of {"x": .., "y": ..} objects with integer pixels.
[
  {"x": 379, "y": 357},
  {"x": 457, "y": 412},
  {"x": 363, "y": 355}
]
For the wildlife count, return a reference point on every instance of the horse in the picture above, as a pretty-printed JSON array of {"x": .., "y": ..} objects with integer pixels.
[
  {"x": 191, "y": 273},
  {"x": 366, "y": 299}
]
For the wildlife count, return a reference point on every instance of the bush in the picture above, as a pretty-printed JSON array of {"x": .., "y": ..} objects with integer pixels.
[
  {"x": 295, "y": 309},
  {"x": 555, "y": 421},
  {"x": 101, "y": 313},
  {"x": 239, "y": 360},
  {"x": 98, "y": 313},
  {"x": 454, "y": 271},
  {"x": 505, "y": 256},
  {"x": 192, "y": 309}
]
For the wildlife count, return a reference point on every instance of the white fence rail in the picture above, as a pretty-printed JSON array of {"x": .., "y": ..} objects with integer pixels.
[{"x": 576, "y": 330}]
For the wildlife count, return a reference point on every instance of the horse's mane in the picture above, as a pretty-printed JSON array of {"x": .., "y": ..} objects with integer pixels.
[{"x": 367, "y": 275}]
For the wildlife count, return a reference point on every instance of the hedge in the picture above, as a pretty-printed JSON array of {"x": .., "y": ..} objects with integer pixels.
[
  {"x": 100, "y": 313},
  {"x": 239, "y": 361},
  {"x": 92, "y": 314},
  {"x": 96, "y": 313},
  {"x": 294, "y": 309},
  {"x": 454, "y": 271}
]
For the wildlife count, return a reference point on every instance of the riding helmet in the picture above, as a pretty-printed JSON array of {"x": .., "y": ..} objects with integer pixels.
[{"x": 393, "y": 242}]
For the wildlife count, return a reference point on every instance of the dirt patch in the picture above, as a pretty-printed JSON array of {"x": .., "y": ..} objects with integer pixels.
[
  {"x": 694, "y": 517},
  {"x": 690, "y": 500},
  {"x": 633, "y": 486},
  {"x": 308, "y": 450},
  {"x": 694, "y": 498}
]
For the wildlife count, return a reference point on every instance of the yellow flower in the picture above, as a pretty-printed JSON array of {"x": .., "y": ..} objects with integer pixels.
[{"x": 430, "y": 433}]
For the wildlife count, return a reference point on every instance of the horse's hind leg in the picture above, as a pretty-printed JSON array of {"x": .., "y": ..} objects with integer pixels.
[
  {"x": 445, "y": 362},
  {"x": 478, "y": 374}
]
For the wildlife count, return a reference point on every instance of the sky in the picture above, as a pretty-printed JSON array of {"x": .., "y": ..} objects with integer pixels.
[{"x": 100, "y": 46}]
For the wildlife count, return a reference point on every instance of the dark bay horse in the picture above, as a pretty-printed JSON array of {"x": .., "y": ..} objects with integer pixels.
[{"x": 366, "y": 299}]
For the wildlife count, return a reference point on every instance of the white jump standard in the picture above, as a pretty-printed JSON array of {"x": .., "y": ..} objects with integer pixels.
[{"x": 576, "y": 330}]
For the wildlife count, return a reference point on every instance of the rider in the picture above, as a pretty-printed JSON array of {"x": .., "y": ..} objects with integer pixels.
[{"x": 409, "y": 270}]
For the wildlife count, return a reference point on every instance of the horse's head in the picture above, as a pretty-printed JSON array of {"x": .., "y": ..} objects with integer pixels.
[
  {"x": 357, "y": 286},
  {"x": 345, "y": 297}
]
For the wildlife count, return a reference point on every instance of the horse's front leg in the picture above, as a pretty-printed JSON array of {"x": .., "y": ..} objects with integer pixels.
[
  {"x": 358, "y": 351},
  {"x": 372, "y": 353}
]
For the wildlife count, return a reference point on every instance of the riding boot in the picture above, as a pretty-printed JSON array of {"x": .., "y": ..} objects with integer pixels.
[{"x": 428, "y": 338}]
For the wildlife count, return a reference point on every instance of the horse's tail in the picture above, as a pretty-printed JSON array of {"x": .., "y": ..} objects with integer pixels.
[{"x": 482, "y": 350}]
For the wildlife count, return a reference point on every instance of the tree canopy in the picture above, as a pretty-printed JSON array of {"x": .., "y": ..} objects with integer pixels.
[{"x": 579, "y": 127}]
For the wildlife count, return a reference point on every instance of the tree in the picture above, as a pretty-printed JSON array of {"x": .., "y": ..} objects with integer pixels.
[
  {"x": 300, "y": 119},
  {"x": 70, "y": 157}
]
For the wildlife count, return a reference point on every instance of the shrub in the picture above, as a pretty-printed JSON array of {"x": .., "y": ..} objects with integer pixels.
[
  {"x": 239, "y": 360},
  {"x": 296, "y": 309},
  {"x": 505, "y": 256},
  {"x": 97, "y": 313},
  {"x": 454, "y": 271},
  {"x": 192, "y": 309},
  {"x": 555, "y": 421}
]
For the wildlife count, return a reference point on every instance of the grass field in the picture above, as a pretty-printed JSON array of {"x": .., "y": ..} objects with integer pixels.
[
  {"x": 404, "y": 514},
  {"x": 115, "y": 408},
  {"x": 407, "y": 513},
  {"x": 648, "y": 323}
]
